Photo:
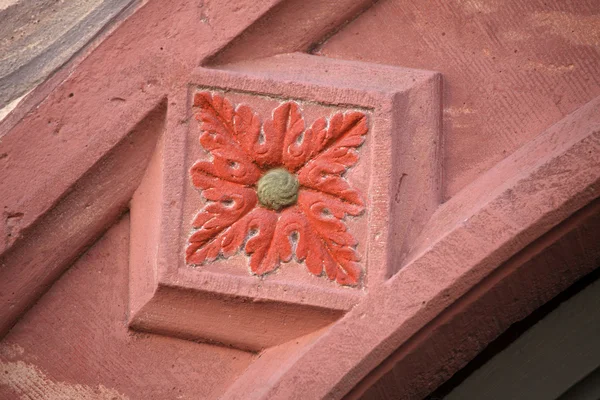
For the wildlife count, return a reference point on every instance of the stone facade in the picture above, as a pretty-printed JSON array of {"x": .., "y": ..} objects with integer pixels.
[{"x": 295, "y": 199}]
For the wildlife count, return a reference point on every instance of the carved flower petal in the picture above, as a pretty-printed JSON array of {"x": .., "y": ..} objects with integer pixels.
[
  {"x": 315, "y": 176},
  {"x": 349, "y": 128},
  {"x": 332, "y": 204},
  {"x": 321, "y": 240},
  {"x": 337, "y": 147},
  {"x": 280, "y": 248},
  {"x": 215, "y": 218},
  {"x": 205, "y": 173},
  {"x": 263, "y": 223},
  {"x": 298, "y": 144},
  {"x": 246, "y": 125},
  {"x": 324, "y": 242},
  {"x": 216, "y": 116},
  {"x": 285, "y": 125}
]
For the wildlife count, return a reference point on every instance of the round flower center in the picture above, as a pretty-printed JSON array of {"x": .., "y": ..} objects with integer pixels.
[{"x": 277, "y": 189}]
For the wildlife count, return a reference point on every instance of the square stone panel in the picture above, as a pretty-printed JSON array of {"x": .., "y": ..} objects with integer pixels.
[
  {"x": 303, "y": 117},
  {"x": 218, "y": 298}
]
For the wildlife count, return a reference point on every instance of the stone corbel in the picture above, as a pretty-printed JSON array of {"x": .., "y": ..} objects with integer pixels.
[{"x": 293, "y": 187}]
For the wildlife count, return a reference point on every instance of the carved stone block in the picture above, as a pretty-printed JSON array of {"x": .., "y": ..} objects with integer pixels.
[{"x": 284, "y": 195}]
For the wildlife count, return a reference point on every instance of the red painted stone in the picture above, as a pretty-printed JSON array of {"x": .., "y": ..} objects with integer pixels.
[{"x": 319, "y": 155}]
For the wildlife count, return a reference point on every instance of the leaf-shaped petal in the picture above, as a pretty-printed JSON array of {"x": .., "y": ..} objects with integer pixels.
[
  {"x": 246, "y": 125},
  {"x": 218, "y": 136},
  {"x": 263, "y": 222},
  {"x": 337, "y": 151},
  {"x": 285, "y": 125},
  {"x": 332, "y": 204},
  {"x": 297, "y": 144},
  {"x": 256, "y": 229},
  {"x": 321, "y": 240},
  {"x": 230, "y": 202},
  {"x": 208, "y": 173},
  {"x": 324, "y": 242}
]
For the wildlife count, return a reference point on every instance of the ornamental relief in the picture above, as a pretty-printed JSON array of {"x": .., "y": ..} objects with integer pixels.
[{"x": 277, "y": 191}]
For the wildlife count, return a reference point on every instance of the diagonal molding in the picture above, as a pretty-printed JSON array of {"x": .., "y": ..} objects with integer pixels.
[
  {"x": 529, "y": 279},
  {"x": 290, "y": 26},
  {"x": 90, "y": 206},
  {"x": 469, "y": 238}
]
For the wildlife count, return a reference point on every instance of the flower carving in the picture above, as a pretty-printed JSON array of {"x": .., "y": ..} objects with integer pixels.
[{"x": 276, "y": 190}]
